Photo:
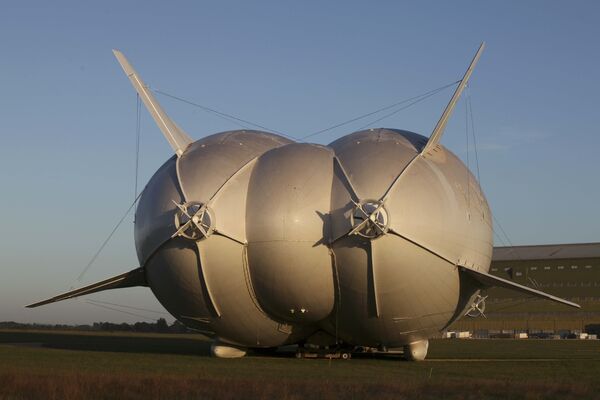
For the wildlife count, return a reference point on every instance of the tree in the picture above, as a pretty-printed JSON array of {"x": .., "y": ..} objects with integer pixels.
[{"x": 161, "y": 325}]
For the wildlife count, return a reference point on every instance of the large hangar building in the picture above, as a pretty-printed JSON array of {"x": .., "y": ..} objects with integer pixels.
[{"x": 570, "y": 271}]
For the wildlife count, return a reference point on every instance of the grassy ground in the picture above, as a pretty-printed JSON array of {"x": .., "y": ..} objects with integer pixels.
[{"x": 53, "y": 365}]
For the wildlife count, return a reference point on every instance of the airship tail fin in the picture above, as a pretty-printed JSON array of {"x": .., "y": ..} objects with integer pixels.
[
  {"x": 133, "y": 278},
  {"x": 177, "y": 138},
  {"x": 488, "y": 280},
  {"x": 438, "y": 131}
]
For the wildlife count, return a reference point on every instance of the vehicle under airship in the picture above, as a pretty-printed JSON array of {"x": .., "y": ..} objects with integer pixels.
[{"x": 380, "y": 239}]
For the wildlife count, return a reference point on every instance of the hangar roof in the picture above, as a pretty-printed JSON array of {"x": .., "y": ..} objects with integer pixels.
[{"x": 547, "y": 252}]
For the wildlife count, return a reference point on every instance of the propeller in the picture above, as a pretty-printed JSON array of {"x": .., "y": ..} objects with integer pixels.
[{"x": 477, "y": 307}]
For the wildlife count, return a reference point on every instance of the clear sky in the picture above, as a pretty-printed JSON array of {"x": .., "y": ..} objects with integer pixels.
[{"x": 67, "y": 152}]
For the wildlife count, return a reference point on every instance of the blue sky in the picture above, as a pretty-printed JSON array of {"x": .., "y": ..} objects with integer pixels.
[{"x": 68, "y": 112}]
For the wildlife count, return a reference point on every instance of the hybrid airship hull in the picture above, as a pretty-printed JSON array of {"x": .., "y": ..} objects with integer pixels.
[{"x": 382, "y": 238}]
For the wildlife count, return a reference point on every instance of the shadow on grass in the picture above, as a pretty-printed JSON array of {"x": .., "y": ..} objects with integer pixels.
[
  {"x": 139, "y": 343},
  {"x": 164, "y": 344}
]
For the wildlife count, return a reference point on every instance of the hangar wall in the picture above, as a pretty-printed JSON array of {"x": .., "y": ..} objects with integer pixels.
[{"x": 570, "y": 271}]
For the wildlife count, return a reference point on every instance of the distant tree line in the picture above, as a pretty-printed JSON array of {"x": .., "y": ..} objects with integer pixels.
[{"x": 160, "y": 326}]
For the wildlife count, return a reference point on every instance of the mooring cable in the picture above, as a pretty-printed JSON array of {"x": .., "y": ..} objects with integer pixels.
[
  {"x": 121, "y": 311},
  {"x": 470, "y": 107},
  {"x": 110, "y": 235},
  {"x": 425, "y": 95},
  {"x": 138, "y": 131},
  {"x": 129, "y": 307},
  {"x": 222, "y": 114},
  {"x": 240, "y": 121}
]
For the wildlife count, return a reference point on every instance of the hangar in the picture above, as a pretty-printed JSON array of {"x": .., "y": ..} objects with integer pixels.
[{"x": 570, "y": 271}]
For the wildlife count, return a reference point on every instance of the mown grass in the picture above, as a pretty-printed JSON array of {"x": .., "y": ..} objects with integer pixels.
[{"x": 97, "y": 366}]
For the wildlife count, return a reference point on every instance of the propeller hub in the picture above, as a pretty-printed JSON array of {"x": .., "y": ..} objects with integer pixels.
[
  {"x": 477, "y": 308},
  {"x": 370, "y": 219},
  {"x": 194, "y": 221}
]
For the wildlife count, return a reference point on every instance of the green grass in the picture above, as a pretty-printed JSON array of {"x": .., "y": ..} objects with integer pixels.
[{"x": 72, "y": 365}]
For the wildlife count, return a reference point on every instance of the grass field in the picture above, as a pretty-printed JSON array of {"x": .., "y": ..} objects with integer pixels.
[{"x": 74, "y": 365}]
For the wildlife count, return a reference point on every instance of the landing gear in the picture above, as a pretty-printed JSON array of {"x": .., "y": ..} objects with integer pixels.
[
  {"x": 320, "y": 352},
  {"x": 416, "y": 351},
  {"x": 221, "y": 350}
]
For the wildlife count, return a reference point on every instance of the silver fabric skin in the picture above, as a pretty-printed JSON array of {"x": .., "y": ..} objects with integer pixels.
[{"x": 360, "y": 239}]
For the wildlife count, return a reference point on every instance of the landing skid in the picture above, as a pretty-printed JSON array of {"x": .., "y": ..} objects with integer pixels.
[
  {"x": 416, "y": 351},
  {"x": 343, "y": 354}
]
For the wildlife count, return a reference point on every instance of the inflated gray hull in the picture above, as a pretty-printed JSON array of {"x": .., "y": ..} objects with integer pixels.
[{"x": 281, "y": 261}]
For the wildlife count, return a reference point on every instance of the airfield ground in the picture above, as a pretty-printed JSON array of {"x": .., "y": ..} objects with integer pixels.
[{"x": 75, "y": 365}]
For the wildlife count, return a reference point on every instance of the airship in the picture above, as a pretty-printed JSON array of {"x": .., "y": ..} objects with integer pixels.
[{"x": 381, "y": 239}]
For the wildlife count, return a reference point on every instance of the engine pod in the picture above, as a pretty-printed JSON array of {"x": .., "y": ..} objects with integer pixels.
[{"x": 286, "y": 214}]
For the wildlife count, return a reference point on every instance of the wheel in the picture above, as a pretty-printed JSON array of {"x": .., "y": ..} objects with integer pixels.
[
  {"x": 299, "y": 355},
  {"x": 345, "y": 356}
]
